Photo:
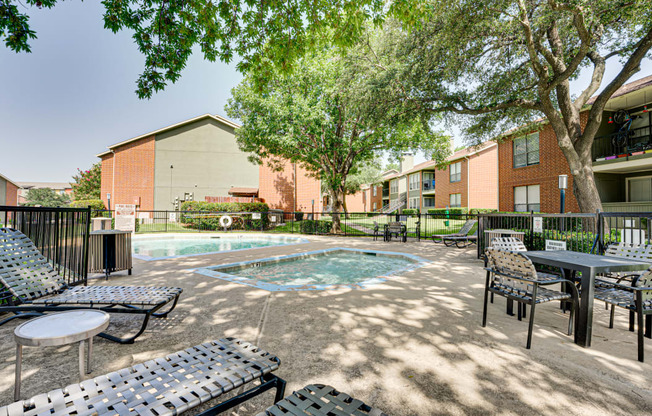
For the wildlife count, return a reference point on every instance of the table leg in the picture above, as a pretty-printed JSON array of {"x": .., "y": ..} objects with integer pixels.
[
  {"x": 81, "y": 361},
  {"x": 584, "y": 323},
  {"x": 89, "y": 355},
  {"x": 19, "y": 364}
]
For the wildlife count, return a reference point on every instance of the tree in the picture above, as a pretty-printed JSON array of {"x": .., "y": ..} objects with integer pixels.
[
  {"x": 88, "y": 183},
  {"x": 368, "y": 173},
  {"x": 392, "y": 165},
  {"x": 46, "y": 197},
  {"x": 333, "y": 113},
  {"x": 510, "y": 62},
  {"x": 262, "y": 34}
]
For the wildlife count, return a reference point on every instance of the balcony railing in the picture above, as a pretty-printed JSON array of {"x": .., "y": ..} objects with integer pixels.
[
  {"x": 429, "y": 185},
  {"x": 622, "y": 144}
]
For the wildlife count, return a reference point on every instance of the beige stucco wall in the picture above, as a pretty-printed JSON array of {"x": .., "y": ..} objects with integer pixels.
[
  {"x": 205, "y": 159},
  {"x": 3, "y": 192}
]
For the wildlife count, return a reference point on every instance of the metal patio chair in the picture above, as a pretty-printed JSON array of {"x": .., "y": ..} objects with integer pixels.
[
  {"x": 463, "y": 232},
  {"x": 630, "y": 251},
  {"x": 166, "y": 386},
  {"x": 376, "y": 230},
  {"x": 397, "y": 230},
  {"x": 462, "y": 241},
  {"x": 637, "y": 299},
  {"x": 31, "y": 286},
  {"x": 512, "y": 275}
]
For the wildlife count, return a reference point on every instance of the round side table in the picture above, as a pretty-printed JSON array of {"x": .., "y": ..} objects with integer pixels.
[{"x": 60, "y": 329}]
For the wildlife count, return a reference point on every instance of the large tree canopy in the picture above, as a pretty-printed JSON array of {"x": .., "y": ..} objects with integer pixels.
[
  {"x": 331, "y": 114},
  {"x": 259, "y": 32},
  {"x": 511, "y": 61}
]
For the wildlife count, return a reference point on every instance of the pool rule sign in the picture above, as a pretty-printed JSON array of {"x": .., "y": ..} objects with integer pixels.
[{"x": 125, "y": 217}]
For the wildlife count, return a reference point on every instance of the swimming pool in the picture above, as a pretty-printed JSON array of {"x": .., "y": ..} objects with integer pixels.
[
  {"x": 166, "y": 247},
  {"x": 317, "y": 270}
]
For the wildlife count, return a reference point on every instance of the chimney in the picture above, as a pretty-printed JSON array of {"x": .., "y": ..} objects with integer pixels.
[{"x": 407, "y": 162}]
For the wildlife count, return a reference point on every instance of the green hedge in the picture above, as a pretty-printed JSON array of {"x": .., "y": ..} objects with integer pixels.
[
  {"x": 316, "y": 227},
  {"x": 241, "y": 222},
  {"x": 410, "y": 211},
  {"x": 95, "y": 204},
  {"x": 461, "y": 211},
  {"x": 224, "y": 206}
]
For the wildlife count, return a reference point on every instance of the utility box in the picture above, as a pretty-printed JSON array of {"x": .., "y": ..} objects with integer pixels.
[{"x": 101, "y": 224}]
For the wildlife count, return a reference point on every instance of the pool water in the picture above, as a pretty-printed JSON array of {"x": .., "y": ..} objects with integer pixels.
[
  {"x": 317, "y": 270},
  {"x": 181, "y": 246}
]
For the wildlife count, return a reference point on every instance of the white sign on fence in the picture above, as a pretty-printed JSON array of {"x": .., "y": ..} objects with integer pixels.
[
  {"x": 537, "y": 224},
  {"x": 125, "y": 217},
  {"x": 552, "y": 245},
  {"x": 172, "y": 216},
  {"x": 255, "y": 215}
]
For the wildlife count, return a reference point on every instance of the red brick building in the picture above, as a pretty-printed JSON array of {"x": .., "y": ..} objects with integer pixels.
[
  {"x": 530, "y": 162},
  {"x": 197, "y": 158},
  {"x": 8, "y": 191},
  {"x": 470, "y": 178}
]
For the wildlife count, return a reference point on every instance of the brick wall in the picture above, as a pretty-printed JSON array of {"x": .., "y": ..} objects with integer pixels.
[
  {"x": 277, "y": 188},
  {"x": 11, "y": 194},
  {"x": 134, "y": 174},
  {"x": 227, "y": 199},
  {"x": 444, "y": 187},
  {"x": 483, "y": 179},
  {"x": 552, "y": 163}
]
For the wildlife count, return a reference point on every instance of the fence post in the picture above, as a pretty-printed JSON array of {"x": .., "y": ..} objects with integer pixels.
[
  {"x": 531, "y": 230},
  {"x": 167, "y": 216},
  {"x": 600, "y": 237},
  {"x": 480, "y": 244},
  {"x": 87, "y": 232}
]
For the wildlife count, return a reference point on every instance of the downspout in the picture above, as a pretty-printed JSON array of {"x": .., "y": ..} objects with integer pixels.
[
  {"x": 112, "y": 177},
  {"x": 468, "y": 183},
  {"x": 294, "y": 202}
]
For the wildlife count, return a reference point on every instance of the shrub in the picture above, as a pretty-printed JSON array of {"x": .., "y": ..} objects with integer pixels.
[
  {"x": 410, "y": 211},
  {"x": 454, "y": 211},
  {"x": 315, "y": 227},
  {"x": 212, "y": 222},
  {"x": 95, "y": 204}
]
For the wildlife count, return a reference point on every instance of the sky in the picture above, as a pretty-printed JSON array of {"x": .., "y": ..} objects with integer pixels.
[{"x": 74, "y": 94}]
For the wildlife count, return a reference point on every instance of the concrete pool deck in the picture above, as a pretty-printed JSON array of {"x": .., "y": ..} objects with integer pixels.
[{"x": 412, "y": 345}]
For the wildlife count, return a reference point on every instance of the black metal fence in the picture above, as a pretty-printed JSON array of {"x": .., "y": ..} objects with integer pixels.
[
  {"x": 61, "y": 234},
  {"x": 588, "y": 233},
  {"x": 352, "y": 224}
]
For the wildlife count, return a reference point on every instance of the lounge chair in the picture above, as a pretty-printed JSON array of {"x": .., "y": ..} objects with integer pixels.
[
  {"x": 31, "y": 286},
  {"x": 448, "y": 239},
  {"x": 165, "y": 386},
  {"x": 462, "y": 241},
  {"x": 319, "y": 399}
]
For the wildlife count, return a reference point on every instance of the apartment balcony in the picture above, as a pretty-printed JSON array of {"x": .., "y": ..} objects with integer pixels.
[
  {"x": 623, "y": 151},
  {"x": 428, "y": 187},
  {"x": 385, "y": 192}
]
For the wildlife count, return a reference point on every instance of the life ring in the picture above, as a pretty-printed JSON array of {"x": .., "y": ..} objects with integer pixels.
[{"x": 226, "y": 221}]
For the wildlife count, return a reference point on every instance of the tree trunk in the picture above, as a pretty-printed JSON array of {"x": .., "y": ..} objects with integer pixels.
[
  {"x": 337, "y": 206},
  {"x": 346, "y": 210}
]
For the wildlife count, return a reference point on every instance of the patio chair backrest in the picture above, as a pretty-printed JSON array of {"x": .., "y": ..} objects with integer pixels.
[
  {"x": 24, "y": 271},
  {"x": 395, "y": 226},
  {"x": 467, "y": 227},
  {"x": 629, "y": 250},
  {"x": 510, "y": 263},
  {"x": 508, "y": 243},
  {"x": 645, "y": 280}
]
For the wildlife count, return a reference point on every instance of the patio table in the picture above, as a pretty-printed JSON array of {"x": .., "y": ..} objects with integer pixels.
[{"x": 589, "y": 265}]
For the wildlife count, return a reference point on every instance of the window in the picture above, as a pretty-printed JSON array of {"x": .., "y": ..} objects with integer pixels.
[
  {"x": 456, "y": 172},
  {"x": 429, "y": 202},
  {"x": 393, "y": 186},
  {"x": 639, "y": 189},
  {"x": 456, "y": 200},
  {"x": 374, "y": 206},
  {"x": 413, "y": 203},
  {"x": 526, "y": 150},
  {"x": 375, "y": 188},
  {"x": 526, "y": 198},
  {"x": 414, "y": 181}
]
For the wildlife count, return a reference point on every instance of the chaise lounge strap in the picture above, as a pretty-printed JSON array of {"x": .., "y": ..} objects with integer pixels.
[
  {"x": 320, "y": 400},
  {"x": 166, "y": 386},
  {"x": 110, "y": 295}
]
